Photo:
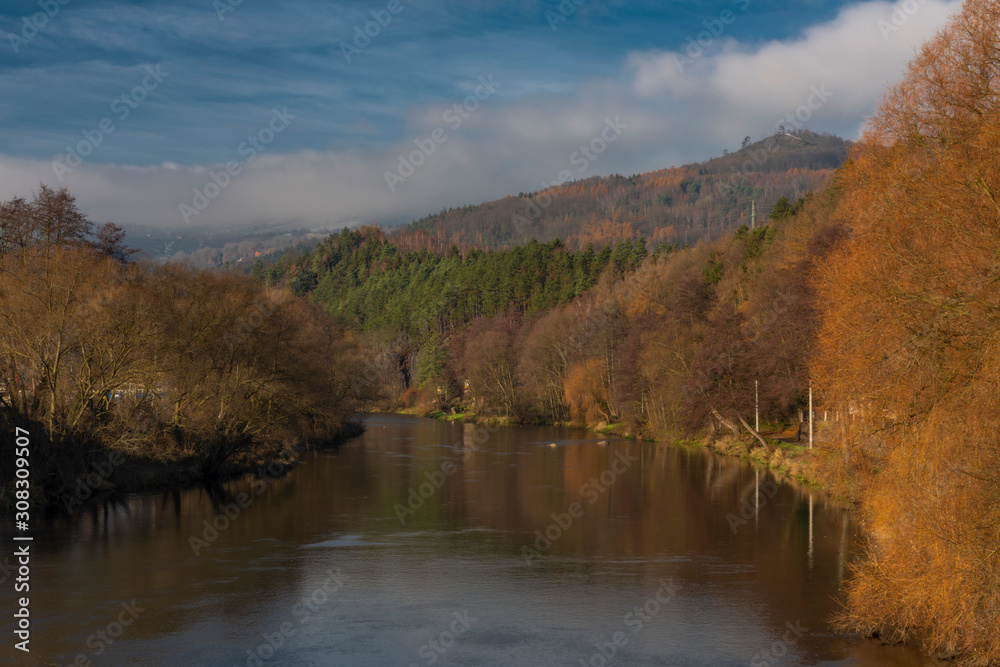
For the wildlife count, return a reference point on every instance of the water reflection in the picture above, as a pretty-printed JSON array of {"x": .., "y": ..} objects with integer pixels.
[{"x": 425, "y": 520}]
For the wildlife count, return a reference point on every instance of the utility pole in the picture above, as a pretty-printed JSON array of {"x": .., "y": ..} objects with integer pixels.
[
  {"x": 753, "y": 214},
  {"x": 756, "y": 410},
  {"x": 810, "y": 414}
]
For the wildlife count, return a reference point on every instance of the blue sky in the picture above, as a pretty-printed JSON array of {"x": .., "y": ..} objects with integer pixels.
[{"x": 220, "y": 76}]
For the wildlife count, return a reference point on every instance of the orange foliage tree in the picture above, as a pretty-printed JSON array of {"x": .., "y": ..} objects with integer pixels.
[
  {"x": 910, "y": 340},
  {"x": 584, "y": 392}
]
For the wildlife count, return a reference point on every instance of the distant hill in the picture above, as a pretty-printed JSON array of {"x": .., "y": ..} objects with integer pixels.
[
  {"x": 694, "y": 202},
  {"x": 678, "y": 205},
  {"x": 219, "y": 247}
]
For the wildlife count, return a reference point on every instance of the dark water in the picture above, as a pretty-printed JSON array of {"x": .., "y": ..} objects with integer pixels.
[{"x": 331, "y": 565}]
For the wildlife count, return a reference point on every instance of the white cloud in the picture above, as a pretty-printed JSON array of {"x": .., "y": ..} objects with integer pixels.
[
  {"x": 856, "y": 56},
  {"x": 509, "y": 145}
]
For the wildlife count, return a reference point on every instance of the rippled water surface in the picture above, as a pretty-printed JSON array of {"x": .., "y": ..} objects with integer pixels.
[{"x": 426, "y": 543}]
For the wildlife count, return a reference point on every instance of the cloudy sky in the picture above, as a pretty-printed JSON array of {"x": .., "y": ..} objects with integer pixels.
[{"x": 248, "y": 112}]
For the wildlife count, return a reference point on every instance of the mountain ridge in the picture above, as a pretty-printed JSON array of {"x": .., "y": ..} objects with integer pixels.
[
  {"x": 696, "y": 201},
  {"x": 699, "y": 201}
]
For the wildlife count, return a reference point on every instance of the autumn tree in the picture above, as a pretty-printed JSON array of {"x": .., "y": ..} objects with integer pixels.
[
  {"x": 17, "y": 225},
  {"x": 52, "y": 219},
  {"x": 585, "y": 394},
  {"x": 545, "y": 359},
  {"x": 910, "y": 342},
  {"x": 164, "y": 362},
  {"x": 48, "y": 301},
  {"x": 491, "y": 367},
  {"x": 57, "y": 218}
]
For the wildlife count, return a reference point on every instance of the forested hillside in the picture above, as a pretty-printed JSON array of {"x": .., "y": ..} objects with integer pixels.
[
  {"x": 697, "y": 202},
  {"x": 678, "y": 206},
  {"x": 365, "y": 279},
  {"x": 542, "y": 332}
]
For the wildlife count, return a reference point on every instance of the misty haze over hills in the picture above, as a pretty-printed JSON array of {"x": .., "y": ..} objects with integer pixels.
[
  {"x": 683, "y": 84},
  {"x": 699, "y": 201}
]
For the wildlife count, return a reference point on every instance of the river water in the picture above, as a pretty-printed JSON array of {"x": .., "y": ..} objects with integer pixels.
[{"x": 427, "y": 543}]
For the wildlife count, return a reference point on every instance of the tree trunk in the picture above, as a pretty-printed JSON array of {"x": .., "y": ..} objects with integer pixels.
[
  {"x": 754, "y": 433},
  {"x": 725, "y": 422}
]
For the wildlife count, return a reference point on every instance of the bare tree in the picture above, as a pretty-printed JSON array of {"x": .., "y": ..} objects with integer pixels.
[{"x": 57, "y": 218}]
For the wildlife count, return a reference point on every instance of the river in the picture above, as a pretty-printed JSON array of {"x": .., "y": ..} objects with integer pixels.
[{"x": 428, "y": 543}]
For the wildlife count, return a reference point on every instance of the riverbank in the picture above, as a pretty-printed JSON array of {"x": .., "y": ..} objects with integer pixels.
[
  {"x": 816, "y": 467},
  {"x": 462, "y": 548},
  {"x": 67, "y": 474}
]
